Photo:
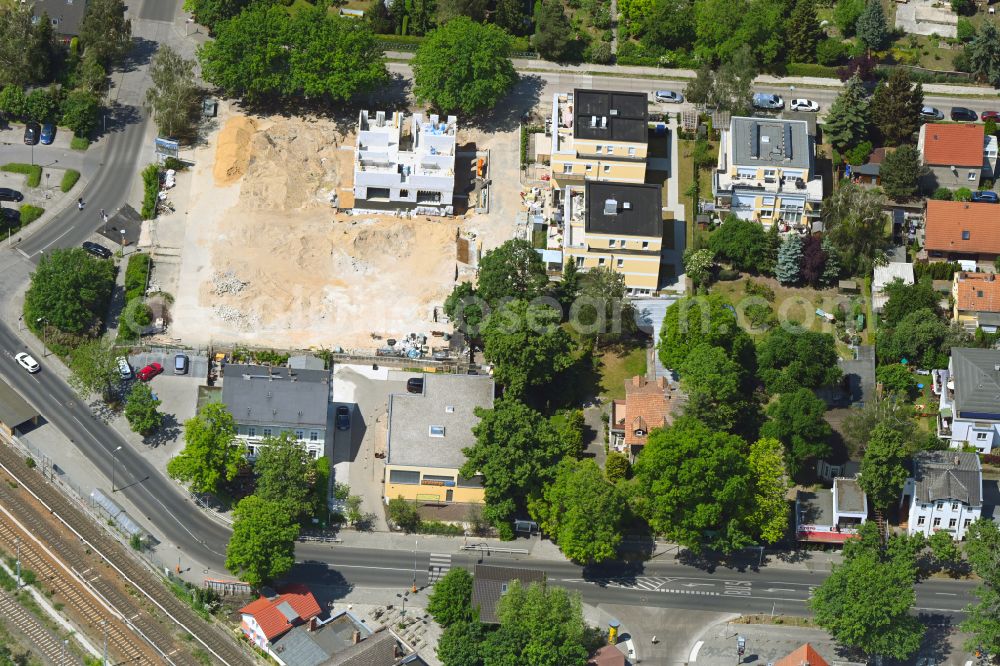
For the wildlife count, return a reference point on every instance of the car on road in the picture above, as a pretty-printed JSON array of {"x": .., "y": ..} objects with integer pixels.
[
  {"x": 9, "y": 194},
  {"x": 97, "y": 250},
  {"x": 768, "y": 101},
  {"x": 180, "y": 364},
  {"x": 124, "y": 369},
  {"x": 343, "y": 418},
  {"x": 930, "y": 113},
  {"x": 48, "y": 134},
  {"x": 149, "y": 372},
  {"x": 990, "y": 115},
  {"x": 804, "y": 105},
  {"x": 31, "y": 133},
  {"x": 962, "y": 113},
  {"x": 668, "y": 96},
  {"x": 986, "y": 196},
  {"x": 10, "y": 215},
  {"x": 415, "y": 385},
  {"x": 27, "y": 362}
]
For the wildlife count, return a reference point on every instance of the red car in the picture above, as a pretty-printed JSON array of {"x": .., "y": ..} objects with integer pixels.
[
  {"x": 149, "y": 372},
  {"x": 990, "y": 115}
]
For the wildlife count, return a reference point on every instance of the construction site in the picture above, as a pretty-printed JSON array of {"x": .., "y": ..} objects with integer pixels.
[{"x": 262, "y": 248}]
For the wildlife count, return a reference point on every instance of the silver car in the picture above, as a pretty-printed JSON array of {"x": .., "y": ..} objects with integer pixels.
[{"x": 668, "y": 96}]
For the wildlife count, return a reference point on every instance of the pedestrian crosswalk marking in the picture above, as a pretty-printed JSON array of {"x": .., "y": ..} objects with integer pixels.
[
  {"x": 651, "y": 584},
  {"x": 439, "y": 566}
]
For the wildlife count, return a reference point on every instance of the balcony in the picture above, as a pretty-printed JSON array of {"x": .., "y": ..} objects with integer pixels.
[{"x": 812, "y": 188}]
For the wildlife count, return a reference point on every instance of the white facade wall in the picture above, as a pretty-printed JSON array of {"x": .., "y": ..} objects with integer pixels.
[
  {"x": 984, "y": 436},
  {"x": 312, "y": 439},
  {"x": 949, "y": 515}
]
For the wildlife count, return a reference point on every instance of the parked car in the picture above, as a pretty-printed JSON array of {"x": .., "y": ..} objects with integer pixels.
[
  {"x": 31, "y": 133},
  {"x": 962, "y": 113},
  {"x": 8, "y": 194},
  {"x": 97, "y": 250},
  {"x": 804, "y": 105},
  {"x": 415, "y": 385},
  {"x": 668, "y": 96},
  {"x": 124, "y": 369},
  {"x": 990, "y": 115},
  {"x": 930, "y": 113},
  {"x": 768, "y": 101},
  {"x": 343, "y": 418},
  {"x": 10, "y": 215},
  {"x": 48, "y": 134},
  {"x": 27, "y": 362},
  {"x": 149, "y": 372},
  {"x": 180, "y": 364},
  {"x": 986, "y": 196}
]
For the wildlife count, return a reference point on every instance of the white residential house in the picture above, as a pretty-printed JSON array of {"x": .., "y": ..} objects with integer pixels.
[
  {"x": 969, "y": 407},
  {"x": 400, "y": 168},
  {"x": 944, "y": 493},
  {"x": 883, "y": 275}
]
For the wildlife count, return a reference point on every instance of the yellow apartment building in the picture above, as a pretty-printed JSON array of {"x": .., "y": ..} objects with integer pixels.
[
  {"x": 618, "y": 225},
  {"x": 427, "y": 432},
  {"x": 599, "y": 135},
  {"x": 766, "y": 172}
]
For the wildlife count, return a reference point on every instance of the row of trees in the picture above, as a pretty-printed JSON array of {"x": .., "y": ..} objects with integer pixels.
[{"x": 890, "y": 116}]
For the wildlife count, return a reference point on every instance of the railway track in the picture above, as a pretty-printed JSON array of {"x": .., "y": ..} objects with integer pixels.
[
  {"x": 41, "y": 638},
  {"x": 222, "y": 647}
]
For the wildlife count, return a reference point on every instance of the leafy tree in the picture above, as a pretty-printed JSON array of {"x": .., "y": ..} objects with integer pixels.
[
  {"x": 511, "y": 17},
  {"x": 865, "y": 603},
  {"x": 922, "y": 338},
  {"x": 846, "y": 14},
  {"x": 210, "y": 13},
  {"x": 945, "y": 550},
  {"x": 982, "y": 619},
  {"x": 872, "y": 28},
  {"x": 668, "y": 24},
  {"x": 539, "y": 625},
  {"x": 713, "y": 383},
  {"x": 742, "y": 242},
  {"x": 41, "y": 105},
  {"x": 569, "y": 288},
  {"x": 855, "y": 223},
  {"x": 733, "y": 89},
  {"x": 617, "y": 467},
  {"x": 904, "y": 299},
  {"x": 451, "y": 600},
  {"x": 787, "y": 361},
  {"x": 282, "y": 471},
  {"x": 900, "y": 172},
  {"x": 804, "y": 32},
  {"x": 93, "y": 368},
  {"x": 447, "y": 10},
  {"x": 422, "y": 18},
  {"x": 553, "y": 33},
  {"x": 606, "y": 306},
  {"x": 403, "y": 514},
  {"x": 788, "y": 270},
  {"x": 43, "y": 50},
  {"x": 831, "y": 269},
  {"x": 16, "y": 31},
  {"x": 140, "y": 409},
  {"x": 461, "y": 644},
  {"x": 512, "y": 270},
  {"x": 698, "y": 265},
  {"x": 962, "y": 194},
  {"x": 211, "y": 451},
  {"x": 69, "y": 291},
  {"x": 813, "y": 260},
  {"x": 526, "y": 345},
  {"x": 464, "y": 308},
  {"x": 12, "y": 98},
  {"x": 92, "y": 77},
  {"x": 691, "y": 321},
  {"x": 581, "y": 511},
  {"x": 262, "y": 546},
  {"x": 80, "y": 112},
  {"x": 963, "y": 7},
  {"x": 695, "y": 487},
  {"x": 898, "y": 379},
  {"x": 173, "y": 97},
  {"x": 701, "y": 89},
  {"x": 464, "y": 66},
  {"x": 895, "y": 106},
  {"x": 884, "y": 467},
  {"x": 106, "y": 31},
  {"x": 830, "y": 51},
  {"x": 983, "y": 54},
  {"x": 796, "y": 419},
  {"x": 769, "y": 508},
  {"x": 516, "y": 451}
]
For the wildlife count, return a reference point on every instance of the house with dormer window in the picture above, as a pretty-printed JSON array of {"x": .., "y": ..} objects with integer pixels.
[
  {"x": 945, "y": 493},
  {"x": 647, "y": 405}
]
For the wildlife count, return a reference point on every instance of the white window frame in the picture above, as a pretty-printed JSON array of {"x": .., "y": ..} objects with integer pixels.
[
  {"x": 607, "y": 168},
  {"x": 621, "y": 263},
  {"x": 436, "y": 431},
  {"x": 266, "y": 432},
  {"x": 937, "y": 522},
  {"x": 973, "y": 175},
  {"x": 631, "y": 151},
  {"x": 314, "y": 436},
  {"x": 981, "y": 436},
  {"x": 300, "y": 434},
  {"x": 921, "y": 520},
  {"x": 567, "y": 167},
  {"x": 251, "y": 431}
]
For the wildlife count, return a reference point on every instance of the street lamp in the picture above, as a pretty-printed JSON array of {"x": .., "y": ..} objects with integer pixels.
[
  {"x": 44, "y": 322},
  {"x": 414, "y": 588},
  {"x": 114, "y": 465}
]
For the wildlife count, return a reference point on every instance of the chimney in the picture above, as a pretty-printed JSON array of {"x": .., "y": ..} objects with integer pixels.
[
  {"x": 356, "y": 637},
  {"x": 312, "y": 624},
  {"x": 956, "y": 459}
]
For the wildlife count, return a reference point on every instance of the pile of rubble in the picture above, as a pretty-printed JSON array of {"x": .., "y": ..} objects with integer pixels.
[
  {"x": 227, "y": 283},
  {"x": 237, "y": 318}
]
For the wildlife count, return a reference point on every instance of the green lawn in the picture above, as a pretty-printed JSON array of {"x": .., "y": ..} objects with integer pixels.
[{"x": 619, "y": 363}]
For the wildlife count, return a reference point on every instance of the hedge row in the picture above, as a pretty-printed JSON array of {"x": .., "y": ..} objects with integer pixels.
[
  {"x": 70, "y": 176},
  {"x": 29, "y": 214},
  {"x": 135, "y": 275},
  {"x": 32, "y": 171},
  {"x": 151, "y": 188},
  {"x": 810, "y": 69}
]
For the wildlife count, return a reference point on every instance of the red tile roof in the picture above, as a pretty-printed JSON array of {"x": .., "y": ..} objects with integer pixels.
[
  {"x": 977, "y": 292},
  {"x": 805, "y": 655},
  {"x": 958, "y": 145},
  {"x": 647, "y": 406},
  {"x": 272, "y": 620},
  {"x": 948, "y": 221}
]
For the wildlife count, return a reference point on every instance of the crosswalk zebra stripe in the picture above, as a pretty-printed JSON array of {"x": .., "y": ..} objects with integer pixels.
[{"x": 439, "y": 566}]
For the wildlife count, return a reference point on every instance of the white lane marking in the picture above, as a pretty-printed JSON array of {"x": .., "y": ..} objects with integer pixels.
[
  {"x": 360, "y": 566},
  {"x": 694, "y": 651},
  {"x": 777, "y": 589},
  {"x": 947, "y": 594},
  {"x": 55, "y": 240}
]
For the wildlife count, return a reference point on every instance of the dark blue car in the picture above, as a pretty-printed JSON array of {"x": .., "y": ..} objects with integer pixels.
[
  {"x": 986, "y": 196},
  {"x": 48, "y": 134}
]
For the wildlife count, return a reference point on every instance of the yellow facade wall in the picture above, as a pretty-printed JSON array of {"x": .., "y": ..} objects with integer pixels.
[
  {"x": 640, "y": 272},
  {"x": 412, "y": 491},
  {"x": 600, "y": 242},
  {"x": 600, "y": 170},
  {"x": 614, "y": 148}
]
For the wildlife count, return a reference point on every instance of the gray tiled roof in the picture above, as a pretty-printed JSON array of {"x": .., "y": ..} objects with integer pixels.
[
  {"x": 378, "y": 650},
  {"x": 765, "y": 142},
  {"x": 257, "y": 395},
  {"x": 977, "y": 382},
  {"x": 488, "y": 585},
  {"x": 448, "y": 401},
  {"x": 68, "y": 15},
  {"x": 948, "y": 475}
]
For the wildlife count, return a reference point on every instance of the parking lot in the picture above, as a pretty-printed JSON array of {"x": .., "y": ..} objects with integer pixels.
[{"x": 197, "y": 365}]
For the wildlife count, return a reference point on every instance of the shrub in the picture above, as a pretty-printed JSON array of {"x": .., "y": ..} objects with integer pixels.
[
  {"x": 965, "y": 31},
  {"x": 135, "y": 275},
  {"x": 29, "y": 214},
  {"x": 151, "y": 188},
  {"x": 831, "y": 52},
  {"x": 32, "y": 171},
  {"x": 942, "y": 194},
  {"x": 175, "y": 164},
  {"x": 404, "y": 515},
  {"x": 79, "y": 143},
  {"x": 897, "y": 379},
  {"x": 70, "y": 176},
  {"x": 753, "y": 288},
  {"x": 939, "y": 270},
  {"x": 991, "y": 459},
  {"x": 810, "y": 69},
  {"x": 728, "y": 275},
  {"x": 760, "y": 315},
  {"x": 858, "y": 155},
  {"x": 600, "y": 53},
  {"x": 963, "y": 194}
]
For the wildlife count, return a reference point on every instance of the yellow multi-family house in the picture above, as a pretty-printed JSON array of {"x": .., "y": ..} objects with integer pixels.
[
  {"x": 766, "y": 172},
  {"x": 618, "y": 225},
  {"x": 426, "y": 435},
  {"x": 598, "y": 135}
]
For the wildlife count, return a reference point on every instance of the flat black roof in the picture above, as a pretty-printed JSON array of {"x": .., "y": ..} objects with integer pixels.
[
  {"x": 608, "y": 114},
  {"x": 637, "y": 209}
]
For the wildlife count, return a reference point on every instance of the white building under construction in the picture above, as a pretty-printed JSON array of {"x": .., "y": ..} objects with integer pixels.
[{"x": 405, "y": 168}]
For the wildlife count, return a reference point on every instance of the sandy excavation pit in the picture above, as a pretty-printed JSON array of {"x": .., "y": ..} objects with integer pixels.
[{"x": 268, "y": 262}]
